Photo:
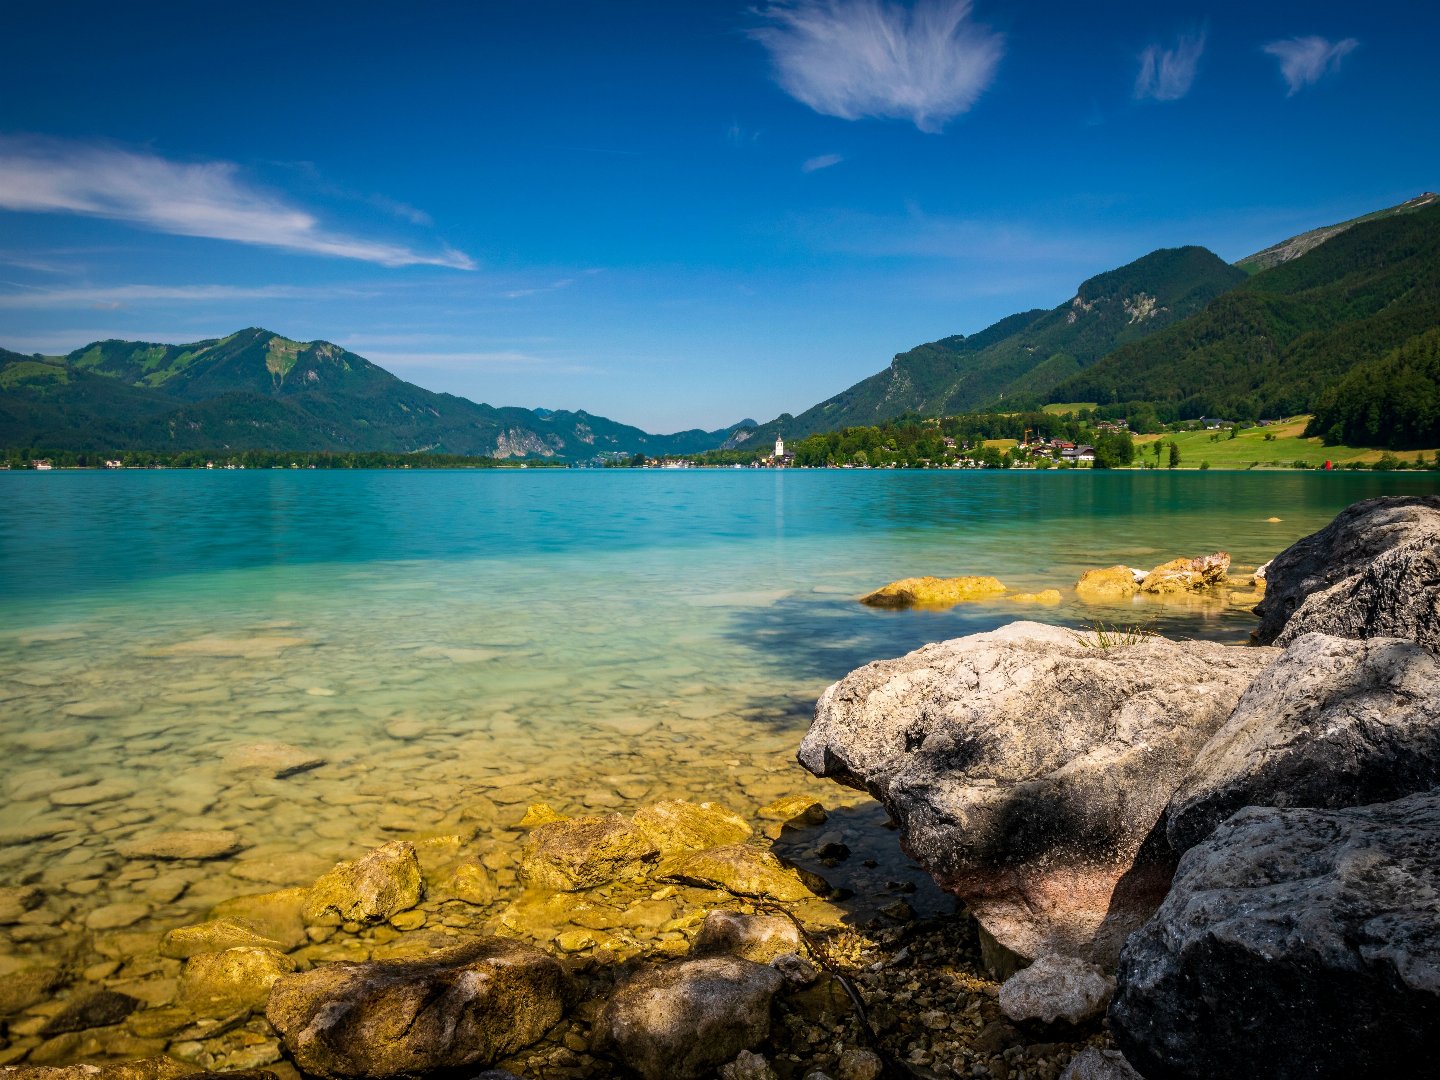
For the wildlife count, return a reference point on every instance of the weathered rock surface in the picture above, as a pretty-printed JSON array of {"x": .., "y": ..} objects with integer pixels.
[
  {"x": 675, "y": 825},
  {"x": 1056, "y": 988},
  {"x": 1372, "y": 572},
  {"x": 797, "y": 811},
  {"x": 758, "y": 938},
  {"x": 1027, "y": 768},
  {"x": 1308, "y": 940},
  {"x": 933, "y": 592},
  {"x": 1093, "y": 1063},
  {"x": 464, "y": 1006},
  {"x": 192, "y": 844},
  {"x": 1331, "y": 723},
  {"x": 682, "y": 1020},
  {"x": 99, "y": 1009},
  {"x": 1108, "y": 585},
  {"x": 580, "y": 853},
  {"x": 1188, "y": 575},
  {"x": 742, "y": 870},
  {"x": 278, "y": 915},
  {"x": 374, "y": 887},
  {"x": 217, "y": 984}
]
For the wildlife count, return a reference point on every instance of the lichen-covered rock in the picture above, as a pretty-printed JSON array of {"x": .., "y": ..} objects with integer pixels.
[
  {"x": 1026, "y": 769},
  {"x": 459, "y": 1007},
  {"x": 153, "y": 1068},
  {"x": 1308, "y": 940},
  {"x": 682, "y": 1020},
  {"x": 1056, "y": 988},
  {"x": 742, "y": 870},
  {"x": 580, "y": 853},
  {"x": 214, "y": 935},
  {"x": 1188, "y": 575},
  {"x": 1372, "y": 572},
  {"x": 675, "y": 825},
  {"x": 758, "y": 938},
  {"x": 1331, "y": 723},
  {"x": 1106, "y": 586},
  {"x": 188, "y": 844},
  {"x": 374, "y": 887},
  {"x": 540, "y": 814},
  {"x": 933, "y": 592},
  {"x": 217, "y": 984}
]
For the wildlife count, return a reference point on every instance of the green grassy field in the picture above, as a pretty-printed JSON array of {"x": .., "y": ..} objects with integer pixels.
[
  {"x": 1063, "y": 407},
  {"x": 1251, "y": 449}
]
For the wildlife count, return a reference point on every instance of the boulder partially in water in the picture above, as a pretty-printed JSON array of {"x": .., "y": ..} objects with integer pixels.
[
  {"x": 1372, "y": 572},
  {"x": 676, "y": 825},
  {"x": 1108, "y": 585},
  {"x": 1331, "y": 723},
  {"x": 581, "y": 853},
  {"x": 214, "y": 935},
  {"x": 1306, "y": 940},
  {"x": 1027, "y": 769},
  {"x": 370, "y": 889},
  {"x": 742, "y": 870},
  {"x": 682, "y": 1020},
  {"x": 1188, "y": 575},
  {"x": 219, "y": 983},
  {"x": 933, "y": 592},
  {"x": 460, "y": 1007}
]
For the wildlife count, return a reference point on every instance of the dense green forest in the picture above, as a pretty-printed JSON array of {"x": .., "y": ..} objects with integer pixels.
[
  {"x": 1392, "y": 402},
  {"x": 25, "y": 457}
]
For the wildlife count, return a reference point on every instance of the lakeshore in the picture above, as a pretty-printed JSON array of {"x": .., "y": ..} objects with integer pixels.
[{"x": 438, "y": 652}]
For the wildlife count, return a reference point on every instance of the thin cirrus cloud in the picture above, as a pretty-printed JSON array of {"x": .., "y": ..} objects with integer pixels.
[
  {"x": 1304, "y": 61},
  {"x": 1168, "y": 74},
  {"x": 110, "y": 298},
  {"x": 824, "y": 161},
  {"x": 857, "y": 58},
  {"x": 208, "y": 199}
]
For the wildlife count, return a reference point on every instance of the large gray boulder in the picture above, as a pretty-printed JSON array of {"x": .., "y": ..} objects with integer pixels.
[
  {"x": 464, "y": 1006},
  {"x": 1331, "y": 723},
  {"x": 1372, "y": 572},
  {"x": 1027, "y": 767},
  {"x": 685, "y": 1019},
  {"x": 1302, "y": 943}
]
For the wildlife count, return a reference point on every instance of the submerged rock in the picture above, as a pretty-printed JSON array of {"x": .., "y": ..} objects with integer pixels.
[
  {"x": 278, "y": 915},
  {"x": 1372, "y": 572},
  {"x": 214, "y": 935},
  {"x": 1027, "y": 770},
  {"x": 744, "y": 871},
  {"x": 192, "y": 844},
  {"x": 274, "y": 759},
  {"x": 933, "y": 592},
  {"x": 1108, "y": 585},
  {"x": 1048, "y": 597},
  {"x": 100, "y": 1009},
  {"x": 1308, "y": 940},
  {"x": 1331, "y": 723},
  {"x": 16, "y": 900},
  {"x": 675, "y": 825},
  {"x": 1056, "y": 988},
  {"x": 1188, "y": 575},
  {"x": 680, "y": 1021},
  {"x": 580, "y": 853},
  {"x": 371, "y": 889},
  {"x": 28, "y": 986},
  {"x": 465, "y": 1006},
  {"x": 797, "y": 811}
]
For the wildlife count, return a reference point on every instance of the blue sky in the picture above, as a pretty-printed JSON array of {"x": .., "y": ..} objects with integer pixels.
[{"x": 673, "y": 214}]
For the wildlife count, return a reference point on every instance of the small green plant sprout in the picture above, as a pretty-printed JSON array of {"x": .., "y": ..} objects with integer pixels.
[{"x": 1102, "y": 635}]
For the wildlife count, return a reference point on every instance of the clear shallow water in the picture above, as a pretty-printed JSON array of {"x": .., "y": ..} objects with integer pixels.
[{"x": 457, "y": 644}]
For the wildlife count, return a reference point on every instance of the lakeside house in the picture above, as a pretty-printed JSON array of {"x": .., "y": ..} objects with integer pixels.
[{"x": 43, "y": 465}]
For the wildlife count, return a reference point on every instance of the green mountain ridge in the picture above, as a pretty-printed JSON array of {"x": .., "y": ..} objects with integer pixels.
[
  {"x": 1021, "y": 359},
  {"x": 1295, "y": 246},
  {"x": 256, "y": 390}
]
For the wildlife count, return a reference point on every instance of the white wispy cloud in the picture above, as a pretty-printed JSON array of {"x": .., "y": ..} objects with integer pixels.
[
  {"x": 824, "y": 161},
  {"x": 110, "y": 298},
  {"x": 1304, "y": 61},
  {"x": 207, "y": 199},
  {"x": 501, "y": 360},
  {"x": 1168, "y": 74},
  {"x": 853, "y": 58}
]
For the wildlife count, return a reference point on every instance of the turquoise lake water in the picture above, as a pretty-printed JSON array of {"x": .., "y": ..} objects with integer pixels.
[{"x": 454, "y": 640}]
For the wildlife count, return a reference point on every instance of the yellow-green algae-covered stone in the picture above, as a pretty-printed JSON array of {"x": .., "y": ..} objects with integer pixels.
[
  {"x": 933, "y": 592},
  {"x": 1107, "y": 585}
]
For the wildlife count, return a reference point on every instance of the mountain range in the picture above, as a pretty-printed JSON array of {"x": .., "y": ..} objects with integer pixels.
[
  {"x": 256, "y": 390},
  {"x": 1270, "y": 335}
]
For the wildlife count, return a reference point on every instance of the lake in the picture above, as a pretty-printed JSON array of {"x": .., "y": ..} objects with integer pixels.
[{"x": 456, "y": 645}]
